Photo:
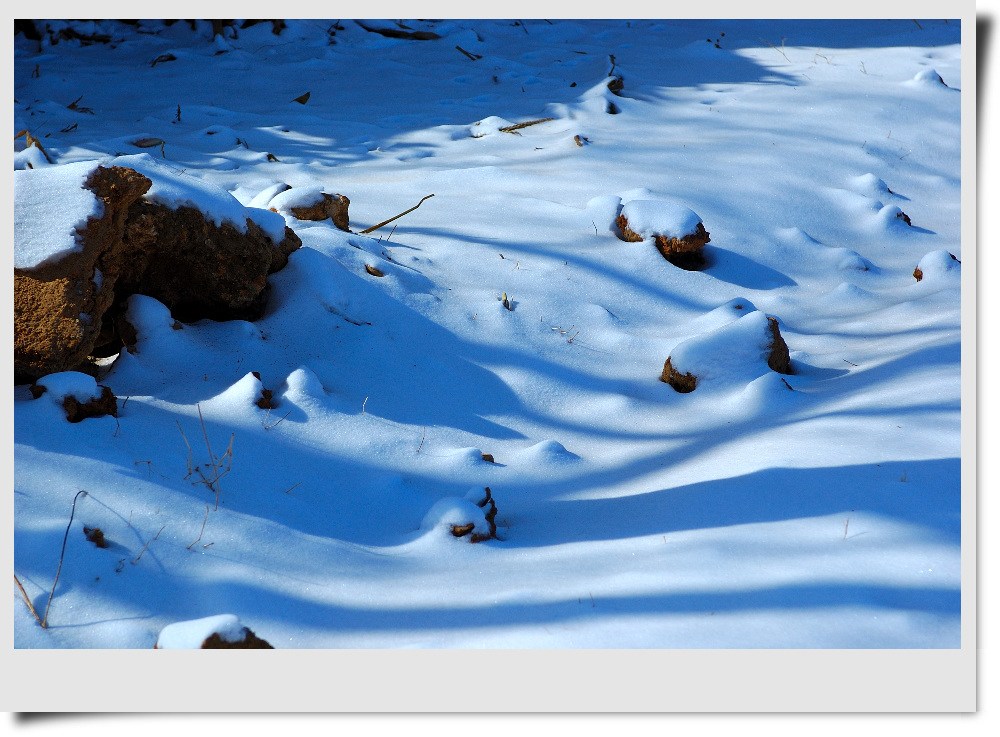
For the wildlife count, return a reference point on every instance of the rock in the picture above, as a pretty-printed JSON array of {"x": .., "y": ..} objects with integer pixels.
[
  {"x": 683, "y": 383},
  {"x": 58, "y": 307},
  {"x": 197, "y": 268},
  {"x": 777, "y": 357},
  {"x": 311, "y": 203},
  {"x": 69, "y": 306}
]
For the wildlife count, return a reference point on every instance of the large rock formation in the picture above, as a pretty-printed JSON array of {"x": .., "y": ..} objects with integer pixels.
[{"x": 153, "y": 232}]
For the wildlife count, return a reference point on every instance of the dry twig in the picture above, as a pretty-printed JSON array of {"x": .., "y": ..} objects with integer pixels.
[
  {"x": 518, "y": 126},
  {"x": 366, "y": 231}
]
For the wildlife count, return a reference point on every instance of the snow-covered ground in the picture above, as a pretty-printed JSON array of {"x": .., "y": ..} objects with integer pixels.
[{"x": 816, "y": 509}]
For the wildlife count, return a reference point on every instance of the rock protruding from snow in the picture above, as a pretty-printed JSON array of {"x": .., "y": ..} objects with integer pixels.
[
  {"x": 736, "y": 353},
  {"x": 221, "y": 632},
  {"x": 77, "y": 394},
  {"x": 312, "y": 203},
  {"x": 191, "y": 246},
  {"x": 678, "y": 231},
  {"x": 936, "y": 263},
  {"x": 473, "y": 516},
  {"x": 58, "y": 304}
]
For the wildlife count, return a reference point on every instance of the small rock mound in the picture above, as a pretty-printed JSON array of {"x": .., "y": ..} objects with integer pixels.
[
  {"x": 78, "y": 394},
  {"x": 221, "y": 632},
  {"x": 735, "y": 353},
  {"x": 312, "y": 203},
  {"x": 678, "y": 232}
]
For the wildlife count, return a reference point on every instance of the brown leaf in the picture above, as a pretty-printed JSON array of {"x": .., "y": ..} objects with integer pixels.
[
  {"x": 272, "y": 157},
  {"x": 373, "y": 271},
  {"x": 302, "y": 99},
  {"x": 148, "y": 142}
]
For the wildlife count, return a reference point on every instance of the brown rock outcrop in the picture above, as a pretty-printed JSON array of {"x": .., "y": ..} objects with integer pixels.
[
  {"x": 58, "y": 306},
  {"x": 67, "y": 311}
]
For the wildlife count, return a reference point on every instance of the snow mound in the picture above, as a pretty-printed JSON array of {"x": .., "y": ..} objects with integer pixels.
[
  {"x": 926, "y": 78},
  {"x": 150, "y": 317},
  {"x": 649, "y": 218},
  {"x": 488, "y": 126},
  {"x": 890, "y": 216},
  {"x": 936, "y": 264},
  {"x": 50, "y": 204},
  {"x": 263, "y": 198},
  {"x": 546, "y": 452},
  {"x": 239, "y": 397},
  {"x": 870, "y": 185},
  {"x": 452, "y": 512}
]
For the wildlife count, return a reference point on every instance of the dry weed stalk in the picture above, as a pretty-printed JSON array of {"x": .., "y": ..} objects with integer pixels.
[
  {"x": 62, "y": 554},
  {"x": 24, "y": 595},
  {"x": 217, "y": 466}
]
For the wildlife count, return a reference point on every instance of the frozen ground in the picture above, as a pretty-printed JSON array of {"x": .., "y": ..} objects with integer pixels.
[{"x": 815, "y": 509}]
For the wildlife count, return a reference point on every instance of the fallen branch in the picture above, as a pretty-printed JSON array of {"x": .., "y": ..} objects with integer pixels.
[
  {"x": 45, "y": 619},
  {"x": 518, "y": 126},
  {"x": 396, "y": 217}
]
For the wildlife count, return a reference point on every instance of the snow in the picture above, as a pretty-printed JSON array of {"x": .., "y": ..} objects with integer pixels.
[
  {"x": 191, "y": 634},
  {"x": 50, "y": 204},
  {"x": 649, "y": 218},
  {"x": 741, "y": 515}
]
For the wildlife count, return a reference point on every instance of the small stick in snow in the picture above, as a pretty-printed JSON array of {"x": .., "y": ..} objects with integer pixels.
[
  {"x": 366, "y": 231},
  {"x": 518, "y": 126},
  {"x": 474, "y": 57},
  {"x": 24, "y": 595},
  {"x": 146, "y": 546},
  {"x": 202, "y": 529},
  {"x": 45, "y": 619}
]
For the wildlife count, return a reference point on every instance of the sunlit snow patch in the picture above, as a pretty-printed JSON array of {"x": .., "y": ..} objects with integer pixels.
[{"x": 50, "y": 204}]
